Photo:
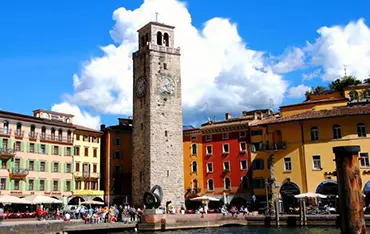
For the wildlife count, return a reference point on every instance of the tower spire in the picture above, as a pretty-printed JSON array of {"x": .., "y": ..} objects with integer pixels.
[{"x": 156, "y": 17}]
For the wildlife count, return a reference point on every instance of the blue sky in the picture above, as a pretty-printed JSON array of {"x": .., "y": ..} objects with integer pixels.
[{"x": 43, "y": 44}]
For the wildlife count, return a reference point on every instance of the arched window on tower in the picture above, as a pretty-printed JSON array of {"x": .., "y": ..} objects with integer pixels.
[
  {"x": 60, "y": 135},
  {"x": 43, "y": 133},
  {"x": 194, "y": 166},
  {"x": 5, "y": 127},
  {"x": 53, "y": 133},
  {"x": 166, "y": 39},
  {"x": 195, "y": 184},
  {"x": 194, "y": 149},
  {"x": 227, "y": 183},
  {"x": 210, "y": 185},
  {"x": 146, "y": 38},
  {"x": 142, "y": 41},
  {"x": 159, "y": 38}
]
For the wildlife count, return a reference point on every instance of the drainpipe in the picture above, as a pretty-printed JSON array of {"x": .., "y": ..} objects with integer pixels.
[{"x": 303, "y": 158}]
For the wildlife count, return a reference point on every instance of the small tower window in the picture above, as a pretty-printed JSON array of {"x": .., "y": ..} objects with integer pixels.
[
  {"x": 166, "y": 39},
  {"x": 146, "y": 38},
  {"x": 142, "y": 41},
  {"x": 159, "y": 38},
  {"x": 165, "y": 66},
  {"x": 166, "y": 133}
]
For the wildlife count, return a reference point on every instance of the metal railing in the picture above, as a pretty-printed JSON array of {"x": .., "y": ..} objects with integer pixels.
[
  {"x": 5, "y": 131},
  {"x": 56, "y": 138},
  {"x": 32, "y": 135},
  {"x": 19, "y": 133},
  {"x": 7, "y": 151},
  {"x": 18, "y": 171}
]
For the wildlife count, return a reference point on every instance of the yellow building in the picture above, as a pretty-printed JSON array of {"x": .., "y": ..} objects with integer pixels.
[
  {"x": 193, "y": 162},
  {"x": 299, "y": 144},
  {"x": 86, "y": 161}
]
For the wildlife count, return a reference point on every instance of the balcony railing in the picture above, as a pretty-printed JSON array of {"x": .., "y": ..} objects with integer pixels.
[
  {"x": 5, "y": 131},
  {"x": 91, "y": 175},
  {"x": 19, "y": 133},
  {"x": 33, "y": 135},
  {"x": 18, "y": 172},
  {"x": 7, "y": 153},
  {"x": 277, "y": 146},
  {"x": 56, "y": 138},
  {"x": 193, "y": 190}
]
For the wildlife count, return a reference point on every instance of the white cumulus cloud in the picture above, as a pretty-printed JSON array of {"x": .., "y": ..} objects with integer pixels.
[
  {"x": 218, "y": 70},
  {"x": 298, "y": 91},
  {"x": 340, "y": 46},
  {"x": 292, "y": 59},
  {"x": 80, "y": 117}
]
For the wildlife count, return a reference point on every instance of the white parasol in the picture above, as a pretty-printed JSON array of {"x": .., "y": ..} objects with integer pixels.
[
  {"x": 7, "y": 199},
  {"x": 204, "y": 198},
  {"x": 310, "y": 195},
  {"x": 39, "y": 199},
  {"x": 92, "y": 202}
]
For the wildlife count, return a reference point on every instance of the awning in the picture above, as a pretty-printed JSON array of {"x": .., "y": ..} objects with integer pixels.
[{"x": 367, "y": 188}]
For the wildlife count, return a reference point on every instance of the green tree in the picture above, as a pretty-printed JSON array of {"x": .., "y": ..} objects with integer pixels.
[
  {"x": 366, "y": 81},
  {"x": 339, "y": 84}
]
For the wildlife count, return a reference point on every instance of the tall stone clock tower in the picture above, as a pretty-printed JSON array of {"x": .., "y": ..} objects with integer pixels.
[{"x": 157, "y": 124}]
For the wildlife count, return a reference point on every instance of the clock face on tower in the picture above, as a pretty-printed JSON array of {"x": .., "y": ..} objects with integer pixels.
[
  {"x": 140, "y": 87},
  {"x": 166, "y": 85}
]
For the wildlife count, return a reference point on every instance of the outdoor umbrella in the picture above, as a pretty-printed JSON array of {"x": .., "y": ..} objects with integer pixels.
[
  {"x": 7, "y": 199},
  {"x": 92, "y": 202},
  {"x": 39, "y": 199},
  {"x": 310, "y": 195},
  {"x": 204, "y": 198}
]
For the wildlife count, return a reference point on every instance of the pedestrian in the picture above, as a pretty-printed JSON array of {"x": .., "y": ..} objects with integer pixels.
[{"x": 57, "y": 214}]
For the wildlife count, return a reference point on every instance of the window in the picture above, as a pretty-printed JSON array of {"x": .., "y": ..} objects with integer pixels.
[
  {"x": 68, "y": 151},
  {"x": 227, "y": 183},
  {"x": 209, "y": 167},
  {"x": 43, "y": 149},
  {"x": 77, "y": 167},
  {"x": 32, "y": 147},
  {"x": 31, "y": 165},
  {"x": 159, "y": 38},
  {"x": 316, "y": 160},
  {"x": 117, "y": 155},
  {"x": 77, "y": 137},
  {"x": 256, "y": 146},
  {"x": 258, "y": 183},
  {"x": 210, "y": 185},
  {"x": 95, "y": 168},
  {"x": 117, "y": 141},
  {"x": 361, "y": 130},
  {"x": 193, "y": 138},
  {"x": 314, "y": 134},
  {"x": 287, "y": 164},
  {"x": 166, "y": 39},
  {"x": 95, "y": 153},
  {"x": 56, "y": 167},
  {"x": 166, "y": 133},
  {"x": 78, "y": 185},
  {"x": 3, "y": 164},
  {"x": 242, "y": 134},
  {"x": 42, "y": 166},
  {"x": 337, "y": 133},
  {"x": 194, "y": 167},
  {"x": 243, "y": 147},
  {"x": 208, "y": 137},
  {"x": 225, "y": 148},
  {"x": 258, "y": 164},
  {"x": 68, "y": 186},
  {"x": 194, "y": 149},
  {"x": 32, "y": 132},
  {"x": 18, "y": 146},
  {"x": 18, "y": 131},
  {"x": 30, "y": 185},
  {"x": 243, "y": 165},
  {"x": 226, "y": 166},
  {"x": 209, "y": 150},
  {"x": 86, "y": 151},
  {"x": 53, "y": 134},
  {"x": 56, "y": 150},
  {"x": 165, "y": 66},
  {"x": 194, "y": 184},
  {"x": 364, "y": 160},
  {"x": 2, "y": 184},
  {"x": 86, "y": 138},
  {"x": 225, "y": 135},
  {"x": 256, "y": 133},
  {"x": 55, "y": 185},
  {"x": 68, "y": 168},
  {"x": 77, "y": 150},
  {"x": 69, "y": 136},
  {"x": 117, "y": 170},
  {"x": 43, "y": 133},
  {"x": 95, "y": 139},
  {"x": 60, "y": 135},
  {"x": 16, "y": 185},
  {"x": 244, "y": 182},
  {"x": 42, "y": 185}
]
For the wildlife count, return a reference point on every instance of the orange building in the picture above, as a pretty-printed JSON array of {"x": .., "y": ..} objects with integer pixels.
[
  {"x": 193, "y": 162},
  {"x": 116, "y": 160}
]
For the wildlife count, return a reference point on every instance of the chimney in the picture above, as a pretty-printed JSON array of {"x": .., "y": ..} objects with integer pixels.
[
  {"x": 102, "y": 127},
  {"x": 227, "y": 116}
]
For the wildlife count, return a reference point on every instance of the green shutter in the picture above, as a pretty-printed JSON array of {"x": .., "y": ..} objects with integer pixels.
[
  {"x": 37, "y": 148},
  {"x": 60, "y": 150},
  {"x": 72, "y": 185},
  {"x": 65, "y": 151},
  {"x": 37, "y": 165},
  {"x": 59, "y": 166},
  {"x": 21, "y": 163},
  {"x": 36, "y": 185},
  {"x": 72, "y": 151},
  {"x": 22, "y": 146},
  {"x": 28, "y": 147},
  {"x": 27, "y": 185},
  {"x": 52, "y": 166},
  {"x": 46, "y": 185},
  {"x": 27, "y": 164},
  {"x": 65, "y": 167},
  {"x": 59, "y": 185},
  {"x": 10, "y": 145},
  {"x": 7, "y": 184},
  {"x": 21, "y": 185},
  {"x": 9, "y": 164},
  {"x": 46, "y": 166},
  {"x": 1, "y": 142},
  {"x": 65, "y": 186},
  {"x": 12, "y": 185},
  {"x": 47, "y": 149}
]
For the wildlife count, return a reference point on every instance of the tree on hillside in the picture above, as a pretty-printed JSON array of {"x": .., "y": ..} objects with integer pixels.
[{"x": 339, "y": 84}]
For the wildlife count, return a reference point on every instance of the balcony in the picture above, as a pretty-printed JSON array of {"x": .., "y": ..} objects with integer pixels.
[
  {"x": 7, "y": 153},
  {"x": 5, "y": 132},
  {"x": 193, "y": 190},
  {"x": 91, "y": 175},
  {"x": 55, "y": 138},
  {"x": 18, "y": 172},
  {"x": 88, "y": 192},
  {"x": 32, "y": 136},
  {"x": 278, "y": 146},
  {"x": 78, "y": 174},
  {"x": 19, "y": 134}
]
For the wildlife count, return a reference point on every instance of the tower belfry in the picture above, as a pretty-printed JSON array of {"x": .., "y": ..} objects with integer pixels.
[{"x": 157, "y": 123}]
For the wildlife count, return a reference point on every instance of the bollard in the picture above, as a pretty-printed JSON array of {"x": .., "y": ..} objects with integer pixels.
[{"x": 349, "y": 188}]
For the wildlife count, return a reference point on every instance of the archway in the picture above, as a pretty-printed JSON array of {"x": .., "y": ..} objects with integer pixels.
[
  {"x": 329, "y": 188},
  {"x": 98, "y": 199},
  {"x": 238, "y": 201},
  {"x": 75, "y": 200},
  {"x": 287, "y": 192},
  {"x": 367, "y": 192}
]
